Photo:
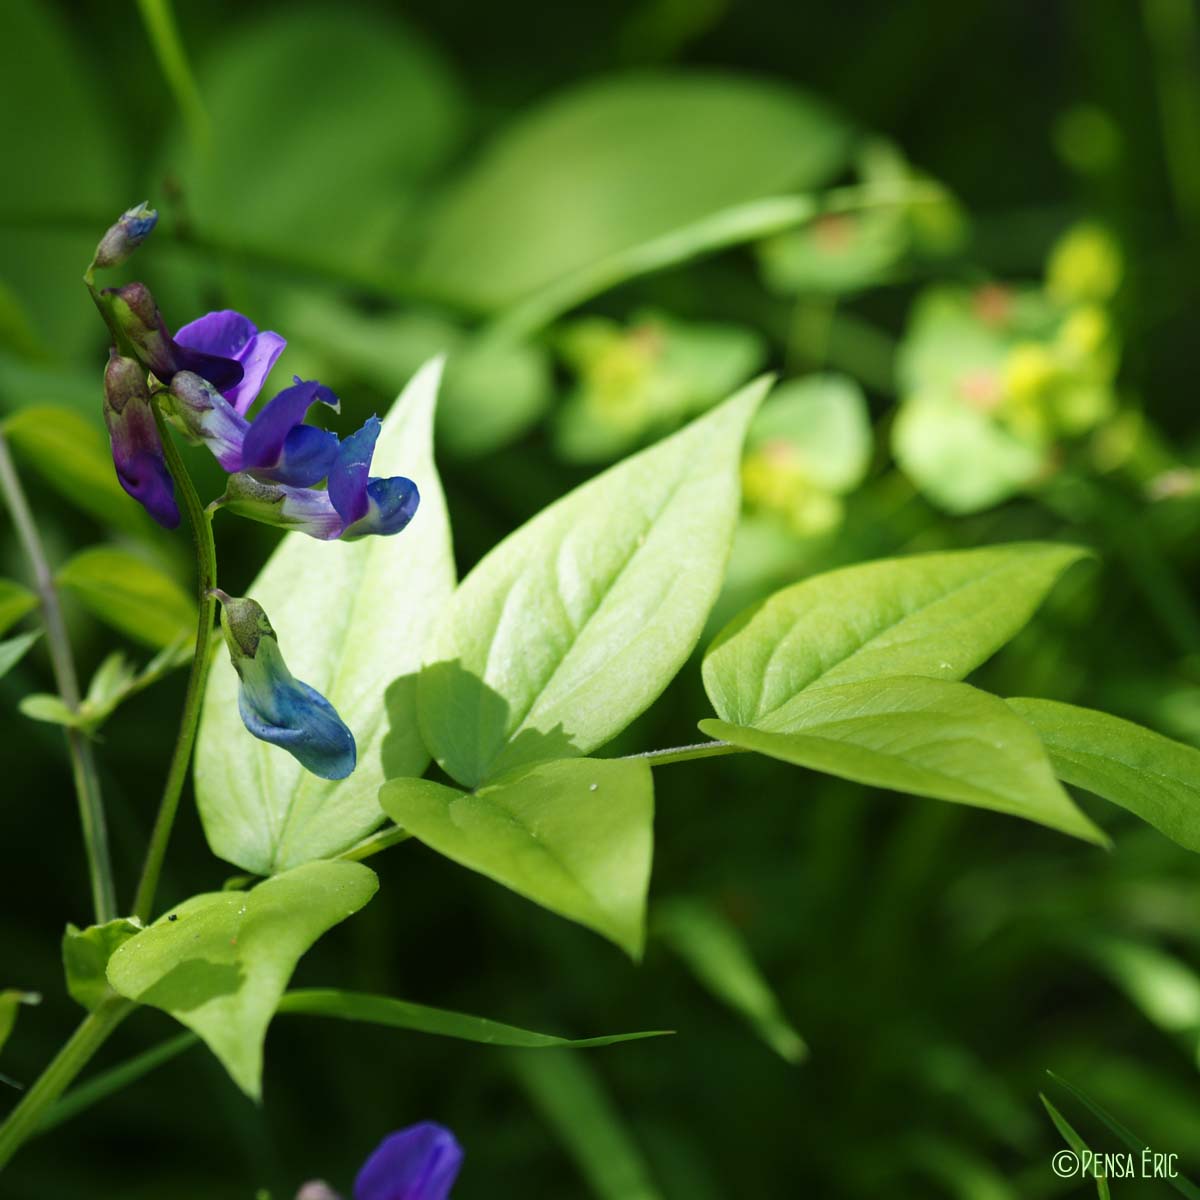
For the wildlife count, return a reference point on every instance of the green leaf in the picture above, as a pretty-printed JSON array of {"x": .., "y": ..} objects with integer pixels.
[
  {"x": 1152, "y": 776},
  {"x": 567, "y": 1093},
  {"x": 400, "y": 1014},
  {"x": 612, "y": 164},
  {"x": 720, "y": 960},
  {"x": 574, "y": 836},
  {"x": 219, "y": 962},
  {"x": 71, "y": 454},
  {"x": 939, "y": 615},
  {"x": 15, "y": 601},
  {"x": 352, "y": 620},
  {"x": 575, "y": 623},
  {"x": 43, "y": 706},
  {"x": 10, "y": 1004},
  {"x": 85, "y": 954},
  {"x": 924, "y": 736},
  {"x": 1074, "y": 1141},
  {"x": 130, "y": 594},
  {"x": 14, "y": 649}
]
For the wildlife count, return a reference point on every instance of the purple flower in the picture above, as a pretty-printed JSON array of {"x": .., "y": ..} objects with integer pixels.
[
  {"x": 133, "y": 309},
  {"x": 230, "y": 335},
  {"x": 137, "y": 449},
  {"x": 417, "y": 1163},
  {"x": 277, "y": 707},
  {"x": 275, "y": 445},
  {"x": 355, "y": 504}
]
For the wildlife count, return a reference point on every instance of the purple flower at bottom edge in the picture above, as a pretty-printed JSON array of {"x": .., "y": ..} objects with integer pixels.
[
  {"x": 418, "y": 1163},
  {"x": 228, "y": 334},
  {"x": 355, "y": 505}
]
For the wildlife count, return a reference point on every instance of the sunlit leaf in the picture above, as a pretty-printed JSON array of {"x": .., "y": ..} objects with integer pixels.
[
  {"x": 13, "y": 649},
  {"x": 16, "y": 601},
  {"x": 85, "y": 954}
]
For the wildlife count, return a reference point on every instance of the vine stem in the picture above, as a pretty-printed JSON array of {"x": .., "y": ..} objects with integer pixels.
[
  {"x": 83, "y": 760},
  {"x": 677, "y": 754},
  {"x": 206, "y": 580},
  {"x": 24, "y": 1120}
]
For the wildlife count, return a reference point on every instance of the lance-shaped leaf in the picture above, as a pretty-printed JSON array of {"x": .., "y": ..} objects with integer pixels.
[
  {"x": 574, "y": 624},
  {"x": 13, "y": 649},
  {"x": 575, "y": 836},
  {"x": 1152, "y": 776},
  {"x": 15, "y": 601},
  {"x": 219, "y": 962},
  {"x": 353, "y": 617},
  {"x": 939, "y": 615},
  {"x": 929, "y": 737}
]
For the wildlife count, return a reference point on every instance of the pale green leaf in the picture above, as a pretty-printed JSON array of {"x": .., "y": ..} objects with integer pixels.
[
  {"x": 567, "y": 1093},
  {"x": 130, "y": 594},
  {"x": 85, "y": 955},
  {"x": 1152, "y": 776},
  {"x": 611, "y": 164},
  {"x": 575, "y": 836},
  {"x": 1164, "y": 987},
  {"x": 575, "y": 623},
  {"x": 10, "y": 1004},
  {"x": 13, "y": 649},
  {"x": 718, "y": 956},
  {"x": 401, "y": 1014},
  {"x": 16, "y": 601},
  {"x": 352, "y": 621},
  {"x": 939, "y": 615},
  {"x": 219, "y": 962},
  {"x": 929, "y": 737},
  {"x": 43, "y": 706},
  {"x": 71, "y": 453}
]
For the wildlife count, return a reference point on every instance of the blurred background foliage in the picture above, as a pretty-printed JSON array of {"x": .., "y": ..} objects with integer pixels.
[{"x": 983, "y": 321}]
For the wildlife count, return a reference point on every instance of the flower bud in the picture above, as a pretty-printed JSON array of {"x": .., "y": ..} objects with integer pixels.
[
  {"x": 277, "y": 707},
  {"x": 122, "y": 239},
  {"x": 317, "y": 1189},
  {"x": 137, "y": 448}
]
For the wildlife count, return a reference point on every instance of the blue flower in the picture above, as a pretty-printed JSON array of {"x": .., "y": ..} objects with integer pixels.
[
  {"x": 276, "y": 445},
  {"x": 355, "y": 504},
  {"x": 277, "y": 707},
  {"x": 417, "y": 1163},
  {"x": 137, "y": 449},
  {"x": 228, "y": 334},
  {"x": 134, "y": 311}
]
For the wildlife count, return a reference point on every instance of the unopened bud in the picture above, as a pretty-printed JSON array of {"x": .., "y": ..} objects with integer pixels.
[{"x": 122, "y": 239}]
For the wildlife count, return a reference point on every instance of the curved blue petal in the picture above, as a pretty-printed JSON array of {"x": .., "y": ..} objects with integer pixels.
[
  {"x": 263, "y": 448},
  {"x": 308, "y": 456},
  {"x": 391, "y": 504},
  {"x": 301, "y": 721},
  {"x": 228, "y": 334},
  {"x": 351, "y": 473},
  {"x": 417, "y": 1163}
]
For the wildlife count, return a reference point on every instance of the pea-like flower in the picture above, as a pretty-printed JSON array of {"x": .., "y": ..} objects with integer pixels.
[
  {"x": 228, "y": 334},
  {"x": 134, "y": 311},
  {"x": 355, "y": 504},
  {"x": 276, "y": 445},
  {"x": 137, "y": 449},
  {"x": 418, "y": 1163},
  {"x": 277, "y": 707}
]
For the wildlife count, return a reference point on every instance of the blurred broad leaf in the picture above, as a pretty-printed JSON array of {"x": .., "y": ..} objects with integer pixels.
[
  {"x": 571, "y": 1098},
  {"x": 10, "y": 1003},
  {"x": 929, "y": 737},
  {"x": 71, "y": 453},
  {"x": 130, "y": 594},
  {"x": 85, "y": 955},
  {"x": 1165, "y": 988},
  {"x": 63, "y": 159},
  {"x": 400, "y": 1014},
  {"x": 325, "y": 121},
  {"x": 16, "y": 600},
  {"x": 939, "y": 615},
  {"x": 219, "y": 962},
  {"x": 44, "y": 706},
  {"x": 718, "y": 956},
  {"x": 352, "y": 620},
  {"x": 1152, "y": 776},
  {"x": 616, "y": 163},
  {"x": 574, "y": 836},
  {"x": 13, "y": 649},
  {"x": 575, "y": 623}
]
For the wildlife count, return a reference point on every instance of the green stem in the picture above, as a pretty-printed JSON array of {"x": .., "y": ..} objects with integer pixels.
[
  {"x": 677, "y": 754},
  {"x": 24, "y": 1120},
  {"x": 83, "y": 761},
  {"x": 206, "y": 580},
  {"x": 163, "y": 31}
]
